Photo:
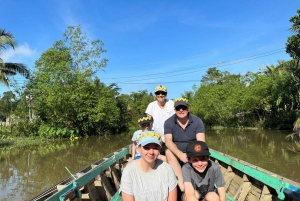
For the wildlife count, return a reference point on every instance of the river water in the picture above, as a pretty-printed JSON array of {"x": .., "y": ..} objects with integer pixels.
[{"x": 26, "y": 172}]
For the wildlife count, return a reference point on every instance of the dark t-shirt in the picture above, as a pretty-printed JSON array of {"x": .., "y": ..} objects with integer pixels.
[
  {"x": 203, "y": 182},
  {"x": 181, "y": 137}
]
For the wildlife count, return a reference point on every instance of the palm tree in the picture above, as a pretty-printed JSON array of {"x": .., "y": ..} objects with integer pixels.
[{"x": 8, "y": 69}]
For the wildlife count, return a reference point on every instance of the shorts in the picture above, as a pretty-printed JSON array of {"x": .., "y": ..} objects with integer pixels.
[{"x": 163, "y": 149}]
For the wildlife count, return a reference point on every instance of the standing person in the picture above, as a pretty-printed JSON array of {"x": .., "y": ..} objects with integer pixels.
[
  {"x": 180, "y": 129},
  {"x": 160, "y": 110},
  {"x": 200, "y": 175},
  {"x": 145, "y": 123},
  {"x": 148, "y": 178}
]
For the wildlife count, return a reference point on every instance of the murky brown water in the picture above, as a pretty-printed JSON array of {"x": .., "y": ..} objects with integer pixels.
[{"x": 26, "y": 172}]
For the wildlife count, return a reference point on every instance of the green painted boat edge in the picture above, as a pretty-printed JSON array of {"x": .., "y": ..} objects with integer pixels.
[
  {"x": 90, "y": 175},
  {"x": 279, "y": 185},
  {"x": 260, "y": 174}
]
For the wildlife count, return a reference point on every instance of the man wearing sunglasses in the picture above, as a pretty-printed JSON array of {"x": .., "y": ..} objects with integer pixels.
[
  {"x": 180, "y": 129},
  {"x": 160, "y": 110}
]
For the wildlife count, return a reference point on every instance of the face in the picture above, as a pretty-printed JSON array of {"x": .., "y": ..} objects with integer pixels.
[
  {"x": 146, "y": 126},
  {"x": 160, "y": 96},
  {"x": 181, "y": 111},
  {"x": 199, "y": 162},
  {"x": 149, "y": 152}
]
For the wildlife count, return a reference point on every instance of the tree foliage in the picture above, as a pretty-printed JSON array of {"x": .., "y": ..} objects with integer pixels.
[{"x": 9, "y": 68}]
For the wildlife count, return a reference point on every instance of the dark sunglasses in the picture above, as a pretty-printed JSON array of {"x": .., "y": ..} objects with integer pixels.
[
  {"x": 160, "y": 92},
  {"x": 183, "y": 107}
]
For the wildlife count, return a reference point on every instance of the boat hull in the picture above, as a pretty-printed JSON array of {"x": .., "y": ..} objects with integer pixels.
[{"x": 244, "y": 181}]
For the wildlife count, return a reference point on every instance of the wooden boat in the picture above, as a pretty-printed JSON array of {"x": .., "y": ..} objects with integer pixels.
[{"x": 101, "y": 180}]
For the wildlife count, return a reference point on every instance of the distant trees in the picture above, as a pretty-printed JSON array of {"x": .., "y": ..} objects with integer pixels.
[
  {"x": 9, "y": 68},
  {"x": 267, "y": 99},
  {"x": 293, "y": 49}
]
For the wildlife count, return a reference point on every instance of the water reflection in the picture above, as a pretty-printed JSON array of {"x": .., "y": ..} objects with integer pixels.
[
  {"x": 26, "y": 172},
  {"x": 266, "y": 149}
]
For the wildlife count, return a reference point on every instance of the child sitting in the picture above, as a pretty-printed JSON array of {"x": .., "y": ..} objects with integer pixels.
[
  {"x": 145, "y": 123},
  {"x": 201, "y": 174}
]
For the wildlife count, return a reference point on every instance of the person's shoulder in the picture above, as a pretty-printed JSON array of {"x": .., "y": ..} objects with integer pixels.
[
  {"x": 152, "y": 103},
  {"x": 137, "y": 132},
  {"x": 163, "y": 165},
  {"x": 130, "y": 166},
  {"x": 187, "y": 166},
  {"x": 214, "y": 166}
]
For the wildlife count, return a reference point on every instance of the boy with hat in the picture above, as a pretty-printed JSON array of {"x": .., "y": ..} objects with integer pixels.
[
  {"x": 145, "y": 123},
  {"x": 148, "y": 178},
  {"x": 201, "y": 174}
]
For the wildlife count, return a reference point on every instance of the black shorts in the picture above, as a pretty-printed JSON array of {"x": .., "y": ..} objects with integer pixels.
[{"x": 163, "y": 149}]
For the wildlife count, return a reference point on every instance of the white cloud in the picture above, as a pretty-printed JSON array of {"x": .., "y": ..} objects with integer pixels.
[{"x": 20, "y": 54}]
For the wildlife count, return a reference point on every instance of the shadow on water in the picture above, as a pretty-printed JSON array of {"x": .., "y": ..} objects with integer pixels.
[
  {"x": 28, "y": 171},
  {"x": 5, "y": 144}
]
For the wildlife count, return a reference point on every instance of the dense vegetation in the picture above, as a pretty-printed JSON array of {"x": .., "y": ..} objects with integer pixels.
[{"x": 65, "y": 98}]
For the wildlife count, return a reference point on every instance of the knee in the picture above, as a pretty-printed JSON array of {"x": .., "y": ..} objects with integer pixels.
[{"x": 212, "y": 196}]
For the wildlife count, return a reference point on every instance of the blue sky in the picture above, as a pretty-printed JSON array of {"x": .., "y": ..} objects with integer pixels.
[{"x": 156, "y": 42}]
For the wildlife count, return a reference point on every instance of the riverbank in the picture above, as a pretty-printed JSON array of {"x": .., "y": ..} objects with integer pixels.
[{"x": 12, "y": 142}]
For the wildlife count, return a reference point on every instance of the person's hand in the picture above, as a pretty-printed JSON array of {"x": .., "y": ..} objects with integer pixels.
[{"x": 183, "y": 157}]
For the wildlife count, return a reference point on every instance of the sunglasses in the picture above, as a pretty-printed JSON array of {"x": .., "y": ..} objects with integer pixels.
[
  {"x": 179, "y": 107},
  {"x": 160, "y": 92}
]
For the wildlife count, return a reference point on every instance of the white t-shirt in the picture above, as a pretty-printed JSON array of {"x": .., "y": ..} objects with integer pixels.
[
  {"x": 160, "y": 115},
  {"x": 148, "y": 186}
]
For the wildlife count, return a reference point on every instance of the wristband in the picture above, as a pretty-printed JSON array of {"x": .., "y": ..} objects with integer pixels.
[{"x": 178, "y": 154}]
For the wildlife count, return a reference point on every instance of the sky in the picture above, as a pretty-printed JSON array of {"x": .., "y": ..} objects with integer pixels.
[{"x": 149, "y": 43}]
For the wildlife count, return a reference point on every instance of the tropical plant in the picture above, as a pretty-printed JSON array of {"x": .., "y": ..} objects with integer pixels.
[{"x": 9, "y": 68}]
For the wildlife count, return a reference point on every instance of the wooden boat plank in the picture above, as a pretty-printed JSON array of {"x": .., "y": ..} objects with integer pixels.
[
  {"x": 90, "y": 175},
  {"x": 278, "y": 184}
]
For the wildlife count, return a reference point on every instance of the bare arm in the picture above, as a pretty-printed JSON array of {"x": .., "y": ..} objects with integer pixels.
[
  {"x": 200, "y": 137},
  {"x": 174, "y": 149},
  {"x": 126, "y": 197},
  {"x": 189, "y": 192},
  {"x": 173, "y": 195},
  {"x": 133, "y": 150},
  {"x": 222, "y": 193}
]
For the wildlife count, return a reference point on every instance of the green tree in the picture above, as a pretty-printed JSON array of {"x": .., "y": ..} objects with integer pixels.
[
  {"x": 293, "y": 42},
  {"x": 66, "y": 95},
  {"x": 8, "y": 68},
  {"x": 8, "y": 103}
]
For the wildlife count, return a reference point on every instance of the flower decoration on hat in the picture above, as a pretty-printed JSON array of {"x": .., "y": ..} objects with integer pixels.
[
  {"x": 147, "y": 118},
  {"x": 161, "y": 88},
  {"x": 149, "y": 134},
  {"x": 181, "y": 99}
]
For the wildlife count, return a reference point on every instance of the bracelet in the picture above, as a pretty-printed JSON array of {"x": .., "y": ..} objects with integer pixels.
[{"x": 179, "y": 154}]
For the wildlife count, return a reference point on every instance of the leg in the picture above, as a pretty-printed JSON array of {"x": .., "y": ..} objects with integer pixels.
[
  {"x": 162, "y": 157},
  {"x": 172, "y": 160},
  {"x": 212, "y": 196}
]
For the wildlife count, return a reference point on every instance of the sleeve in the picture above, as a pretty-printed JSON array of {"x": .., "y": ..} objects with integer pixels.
[
  {"x": 135, "y": 136},
  {"x": 168, "y": 127},
  {"x": 172, "y": 179},
  {"x": 220, "y": 182},
  {"x": 149, "y": 109},
  {"x": 200, "y": 126},
  {"x": 126, "y": 182},
  {"x": 186, "y": 173}
]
